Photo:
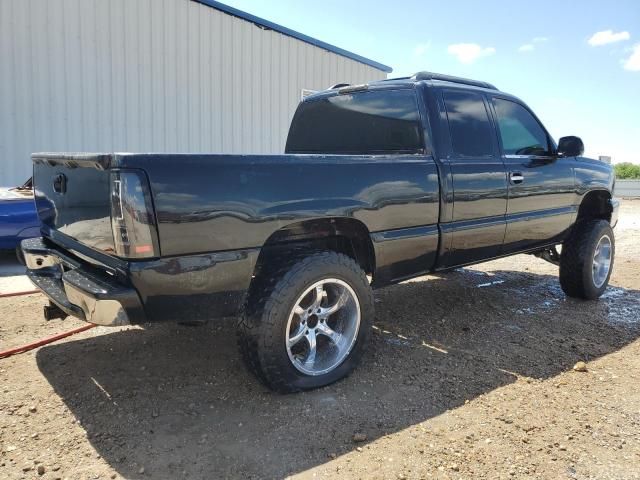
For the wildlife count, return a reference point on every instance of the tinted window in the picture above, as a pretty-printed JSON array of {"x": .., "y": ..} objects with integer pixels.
[
  {"x": 469, "y": 124},
  {"x": 360, "y": 123},
  {"x": 520, "y": 132}
]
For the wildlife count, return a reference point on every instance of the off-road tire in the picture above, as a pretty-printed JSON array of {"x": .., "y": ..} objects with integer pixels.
[
  {"x": 262, "y": 329},
  {"x": 576, "y": 260}
]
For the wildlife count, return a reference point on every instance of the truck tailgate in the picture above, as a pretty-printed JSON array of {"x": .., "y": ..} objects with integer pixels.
[{"x": 72, "y": 196}]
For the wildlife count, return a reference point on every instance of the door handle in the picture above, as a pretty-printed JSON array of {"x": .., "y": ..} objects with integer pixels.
[{"x": 516, "y": 177}]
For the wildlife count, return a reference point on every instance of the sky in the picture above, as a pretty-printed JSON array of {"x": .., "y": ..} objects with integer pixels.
[{"x": 576, "y": 64}]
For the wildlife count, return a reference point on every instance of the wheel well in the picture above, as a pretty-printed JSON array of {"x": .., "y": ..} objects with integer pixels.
[
  {"x": 342, "y": 235},
  {"x": 595, "y": 204}
]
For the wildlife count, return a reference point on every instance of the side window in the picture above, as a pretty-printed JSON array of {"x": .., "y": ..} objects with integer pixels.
[
  {"x": 471, "y": 132},
  {"x": 521, "y": 133},
  {"x": 375, "y": 122}
]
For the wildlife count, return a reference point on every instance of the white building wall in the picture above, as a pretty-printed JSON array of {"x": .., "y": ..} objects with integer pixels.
[{"x": 149, "y": 75}]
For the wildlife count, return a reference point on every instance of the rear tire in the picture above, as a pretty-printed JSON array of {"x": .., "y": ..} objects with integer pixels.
[
  {"x": 322, "y": 303},
  {"x": 586, "y": 261}
]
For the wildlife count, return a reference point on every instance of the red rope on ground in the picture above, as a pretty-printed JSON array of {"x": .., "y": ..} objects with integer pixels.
[
  {"x": 16, "y": 294},
  {"x": 45, "y": 341}
]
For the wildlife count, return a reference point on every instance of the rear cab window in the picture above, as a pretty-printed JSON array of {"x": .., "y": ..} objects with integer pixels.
[{"x": 359, "y": 123}]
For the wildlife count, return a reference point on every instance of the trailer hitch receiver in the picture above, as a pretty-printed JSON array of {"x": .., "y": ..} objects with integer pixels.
[{"x": 52, "y": 311}]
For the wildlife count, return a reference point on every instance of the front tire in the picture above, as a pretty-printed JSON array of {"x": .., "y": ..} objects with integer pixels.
[
  {"x": 587, "y": 257},
  {"x": 307, "y": 326}
]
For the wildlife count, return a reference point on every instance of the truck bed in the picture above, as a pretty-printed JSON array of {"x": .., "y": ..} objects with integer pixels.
[
  {"x": 214, "y": 214},
  {"x": 207, "y": 202}
]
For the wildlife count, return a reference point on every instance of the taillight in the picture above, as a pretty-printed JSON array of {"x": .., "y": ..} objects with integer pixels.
[{"x": 132, "y": 217}]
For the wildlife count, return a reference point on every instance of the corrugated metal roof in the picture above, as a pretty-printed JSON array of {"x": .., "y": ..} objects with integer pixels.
[{"x": 292, "y": 33}]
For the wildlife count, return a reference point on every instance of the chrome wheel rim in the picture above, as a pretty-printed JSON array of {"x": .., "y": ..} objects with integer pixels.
[
  {"x": 322, "y": 327},
  {"x": 601, "y": 261}
]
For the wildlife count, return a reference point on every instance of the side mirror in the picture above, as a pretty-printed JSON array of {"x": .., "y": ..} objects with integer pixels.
[{"x": 570, "y": 147}]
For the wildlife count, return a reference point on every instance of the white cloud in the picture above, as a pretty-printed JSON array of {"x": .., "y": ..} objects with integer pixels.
[
  {"x": 469, "y": 52},
  {"x": 607, "y": 36},
  {"x": 421, "y": 49},
  {"x": 531, "y": 46},
  {"x": 527, "y": 47},
  {"x": 633, "y": 62}
]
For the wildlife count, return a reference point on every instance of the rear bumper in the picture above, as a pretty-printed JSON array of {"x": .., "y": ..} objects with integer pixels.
[{"x": 78, "y": 289}]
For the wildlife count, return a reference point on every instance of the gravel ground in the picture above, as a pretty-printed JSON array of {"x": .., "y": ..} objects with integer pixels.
[
  {"x": 12, "y": 277},
  {"x": 468, "y": 375}
]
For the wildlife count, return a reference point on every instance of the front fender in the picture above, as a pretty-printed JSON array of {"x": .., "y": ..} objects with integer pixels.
[{"x": 591, "y": 175}]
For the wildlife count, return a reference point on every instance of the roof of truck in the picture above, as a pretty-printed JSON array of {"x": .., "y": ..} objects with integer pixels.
[
  {"x": 430, "y": 78},
  {"x": 433, "y": 79}
]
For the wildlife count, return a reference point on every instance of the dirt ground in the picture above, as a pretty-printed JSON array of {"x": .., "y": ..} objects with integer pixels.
[{"x": 468, "y": 375}]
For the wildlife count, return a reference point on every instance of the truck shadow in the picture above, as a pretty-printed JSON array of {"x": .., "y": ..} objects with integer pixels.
[{"x": 179, "y": 402}]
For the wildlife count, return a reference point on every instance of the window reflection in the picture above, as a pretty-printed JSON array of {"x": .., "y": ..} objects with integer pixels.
[
  {"x": 520, "y": 132},
  {"x": 469, "y": 124}
]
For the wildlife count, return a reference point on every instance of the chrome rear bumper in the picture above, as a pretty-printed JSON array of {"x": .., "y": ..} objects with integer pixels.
[{"x": 78, "y": 289}]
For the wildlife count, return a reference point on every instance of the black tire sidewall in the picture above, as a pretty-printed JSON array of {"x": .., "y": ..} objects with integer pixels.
[
  {"x": 297, "y": 280},
  {"x": 576, "y": 260}
]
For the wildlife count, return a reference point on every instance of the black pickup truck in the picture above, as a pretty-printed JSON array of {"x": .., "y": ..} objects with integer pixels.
[{"x": 380, "y": 183}]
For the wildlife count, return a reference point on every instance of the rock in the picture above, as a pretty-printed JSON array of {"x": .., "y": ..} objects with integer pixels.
[
  {"x": 333, "y": 456},
  {"x": 580, "y": 367},
  {"x": 359, "y": 437},
  {"x": 141, "y": 470},
  {"x": 33, "y": 409},
  {"x": 455, "y": 467},
  {"x": 40, "y": 469},
  {"x": 359, "y": 449}
]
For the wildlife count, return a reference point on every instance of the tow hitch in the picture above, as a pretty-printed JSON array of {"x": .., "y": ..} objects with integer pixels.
[{"x": 52, "y": 311}]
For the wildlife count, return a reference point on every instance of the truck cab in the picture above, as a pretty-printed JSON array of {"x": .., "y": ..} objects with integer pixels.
[{"x": 505, "y": 185}]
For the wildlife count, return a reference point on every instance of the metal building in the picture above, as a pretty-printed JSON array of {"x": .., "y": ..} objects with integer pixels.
[{"x": 153, "y": 75}]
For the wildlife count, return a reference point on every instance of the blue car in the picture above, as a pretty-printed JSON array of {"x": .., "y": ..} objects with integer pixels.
[{"x": 18, "y": 217}]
